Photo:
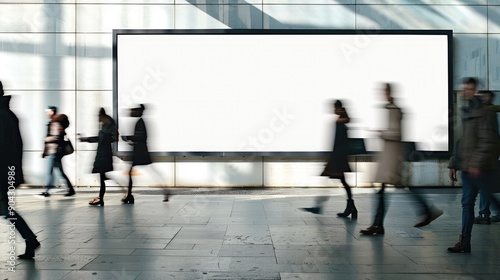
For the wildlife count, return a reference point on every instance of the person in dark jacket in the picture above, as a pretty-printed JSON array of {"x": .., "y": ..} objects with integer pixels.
[
  {"x": 104, "y": 157},
  {"x": 140, "y": 154},
  {"x": 476, "y": 157},
  {"x": 338, "y": 164},
  {"x": 485, "y": 200},
  {"x": 11, "y": 174},
  {"x": 54, "y": 143}
]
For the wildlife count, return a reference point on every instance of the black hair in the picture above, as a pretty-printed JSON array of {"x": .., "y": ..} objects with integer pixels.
[
  {"x": 102, "y": 112},
  {"x": 337, "y": 104},
  {"x": 469, "y": 80},
  {"x": 53, "y": 109}
]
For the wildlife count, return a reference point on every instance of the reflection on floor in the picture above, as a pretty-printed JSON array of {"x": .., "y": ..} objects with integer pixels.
[{"x": 244, "y": 235}]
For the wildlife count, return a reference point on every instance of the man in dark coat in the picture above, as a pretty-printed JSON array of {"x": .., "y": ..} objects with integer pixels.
[
  {"x": 11, "y": 174},
  {"x": 476, "y": 157}
]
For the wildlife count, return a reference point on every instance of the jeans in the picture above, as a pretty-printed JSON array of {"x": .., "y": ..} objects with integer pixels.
[
  {"x": 470, "y": 188},
  {"x": 56, "y": 162}
]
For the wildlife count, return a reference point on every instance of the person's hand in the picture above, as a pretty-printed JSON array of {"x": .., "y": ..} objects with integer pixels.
[
  {"x": 474, "y": 172},
  {"x": 453, "y": 174}
]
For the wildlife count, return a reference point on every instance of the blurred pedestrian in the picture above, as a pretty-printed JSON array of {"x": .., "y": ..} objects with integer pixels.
[
  {"x": 338, "y": 164},
  {"x": 11, "y": 175},
  {"x": 390, "y": 161},
  {"x": 54, "y": 149},
  {"x": 140, "y": 154},
  {"x": 104, "y": 157},
  {"x": 485, "y": 200},
  {"x": 475, "y": 156}
]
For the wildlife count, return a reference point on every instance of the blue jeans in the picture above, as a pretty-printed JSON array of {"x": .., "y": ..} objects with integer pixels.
[
  {"x": 56, "y": 162},
  {"x": 470, "y": 188}
]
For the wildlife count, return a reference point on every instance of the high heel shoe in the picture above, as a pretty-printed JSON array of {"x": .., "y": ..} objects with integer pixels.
[
  {"x": 349, "y": 210},
  {"x": 373, "y": 230},
  {"x": 96, "y": 201},
  {"x": 128, "y": 199}
]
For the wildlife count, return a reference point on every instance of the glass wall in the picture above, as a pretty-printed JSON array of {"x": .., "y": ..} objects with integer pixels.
[{"x": 59, "y": 52}]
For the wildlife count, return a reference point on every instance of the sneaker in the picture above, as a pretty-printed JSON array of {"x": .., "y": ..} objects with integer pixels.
[
  {"x": 495, "y": 218},
  {"x": 485, "y": 220},
  {"x": 45, "y": 194}
]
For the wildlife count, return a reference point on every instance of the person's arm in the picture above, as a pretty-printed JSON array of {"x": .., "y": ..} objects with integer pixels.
[{"x": 93, "y": 139}]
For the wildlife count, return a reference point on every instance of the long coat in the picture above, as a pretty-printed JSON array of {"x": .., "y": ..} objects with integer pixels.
[
  {"x": 391, "y": 157},
  {"x": 107, "y": 135},
  {"x": 11, "y": 147},
  {"x": 139, "y": 139},
  {"x": 337, "y": 162}
]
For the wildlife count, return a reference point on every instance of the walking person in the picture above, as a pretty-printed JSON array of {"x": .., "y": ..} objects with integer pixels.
[
  {"x": 475, "y": 156},
  {"x": 54, "y": 144},
  {"x": 337, "y": 164},
  {"x": 104, "y": 157},
  {"x": 484, "y": 200},
  {"x": 389, "y": 162},
  {"x": 140, "y": 154},
  {"x": 11, "y": 174}
]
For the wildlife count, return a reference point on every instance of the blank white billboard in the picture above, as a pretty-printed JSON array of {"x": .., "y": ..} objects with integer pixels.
[{"x": 270, "y": 91}]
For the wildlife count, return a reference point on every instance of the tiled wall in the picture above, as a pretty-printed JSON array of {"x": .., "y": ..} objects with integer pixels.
[{"x": 58, "y": 52}]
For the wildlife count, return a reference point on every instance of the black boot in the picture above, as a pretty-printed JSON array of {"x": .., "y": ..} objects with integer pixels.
[
  {"x": 463, "y": 245},
  {"x": 350, "y": 209},
  {"x": 128, "y": 199},
  {"x": 31, "y": 245}
]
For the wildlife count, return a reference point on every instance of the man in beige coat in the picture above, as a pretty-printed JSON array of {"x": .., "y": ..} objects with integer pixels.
[{"x": 390, "y": 161}]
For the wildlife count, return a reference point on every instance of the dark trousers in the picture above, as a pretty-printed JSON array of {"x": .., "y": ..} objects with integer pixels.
[
  {"x": 14, "y": 218},
  {"x": 423, "y": 207}
]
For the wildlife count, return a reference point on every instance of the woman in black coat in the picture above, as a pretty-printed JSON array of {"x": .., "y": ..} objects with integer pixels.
[
  {"x": 141, "y": 153},
  {"x": 104, "y": 157},
  {"x": 337, "y": 163}
]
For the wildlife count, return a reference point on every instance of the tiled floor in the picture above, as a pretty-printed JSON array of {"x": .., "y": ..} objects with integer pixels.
[{"x": 240, "y": 234}]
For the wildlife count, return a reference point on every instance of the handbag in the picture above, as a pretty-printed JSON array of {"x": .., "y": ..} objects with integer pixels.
[
  {"x": 356, "y": 146},
  {"x": 67, "y": 147}
]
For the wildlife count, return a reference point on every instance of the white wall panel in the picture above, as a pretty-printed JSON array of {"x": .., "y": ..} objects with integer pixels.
[
  {"x": 105, "y": 18},
  {"x": 37, "y": 18},
  {"x": 309, "y": 16},
  {"x": 218, "y": 16},
  {"x": 94, "y": 63},
  {"x": 494, "y": 19},
  {"x": 308, "y": 2},
  {"x": 461, "y": 19},
  {"x": 494, "y": 61},
  {"x": 218, "y": 2},
  {"x": 470, "y": 59},
  {"x": 37, "y": 61},
  {"x": 426, "y": 2},
  {"x": 199, "y": 172}
]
